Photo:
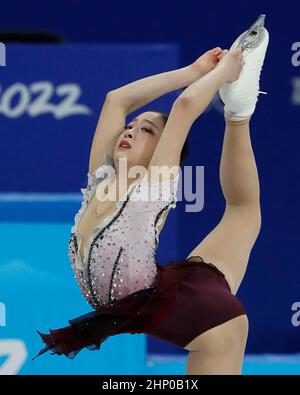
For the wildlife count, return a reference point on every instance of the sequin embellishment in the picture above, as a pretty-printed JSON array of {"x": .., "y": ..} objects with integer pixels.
[{"x": 120, "y": 257}]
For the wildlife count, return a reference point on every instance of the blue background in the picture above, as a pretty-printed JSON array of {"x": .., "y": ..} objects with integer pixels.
[{"x": 111, "y": 45}]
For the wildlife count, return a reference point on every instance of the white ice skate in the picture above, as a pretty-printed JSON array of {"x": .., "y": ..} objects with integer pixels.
[{"x": 240, "y": 97}]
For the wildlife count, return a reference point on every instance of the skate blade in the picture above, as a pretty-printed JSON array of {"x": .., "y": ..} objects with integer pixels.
[{"x": 253, "y": 36}]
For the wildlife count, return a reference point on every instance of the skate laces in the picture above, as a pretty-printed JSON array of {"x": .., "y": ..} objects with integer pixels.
[{"x": 259, "y": 64}]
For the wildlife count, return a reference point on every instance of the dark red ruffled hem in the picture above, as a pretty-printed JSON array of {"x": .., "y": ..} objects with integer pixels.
[{"x": 132, "y": 314}]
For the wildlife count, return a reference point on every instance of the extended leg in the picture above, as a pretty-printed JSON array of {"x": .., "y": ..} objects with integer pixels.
[
  {"x": 229, "y": 244},
  {"x": 238, "y": 171},
  {"x": 220, "y": 350}
]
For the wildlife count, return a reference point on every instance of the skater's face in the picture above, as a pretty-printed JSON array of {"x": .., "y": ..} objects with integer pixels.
[{"x": 143, "y": 134}]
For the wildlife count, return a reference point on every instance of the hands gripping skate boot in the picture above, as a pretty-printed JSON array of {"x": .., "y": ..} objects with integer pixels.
[{"x": 240, "y": 97}]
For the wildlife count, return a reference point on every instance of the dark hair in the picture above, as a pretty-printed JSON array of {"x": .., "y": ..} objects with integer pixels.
[{"x": 184, "y": 150}]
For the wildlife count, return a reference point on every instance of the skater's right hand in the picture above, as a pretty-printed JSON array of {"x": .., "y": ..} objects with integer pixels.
[{"x": 231, "y": 64}]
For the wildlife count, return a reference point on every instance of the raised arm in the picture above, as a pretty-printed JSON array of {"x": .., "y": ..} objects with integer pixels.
[
  {"x": 188, "y": 107},
  {"x": 122, "y": 101},
  {"x": 141, "y": 92}
]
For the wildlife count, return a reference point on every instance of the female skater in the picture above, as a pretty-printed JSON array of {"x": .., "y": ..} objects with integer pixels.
[{"x": 190, "y": 303}]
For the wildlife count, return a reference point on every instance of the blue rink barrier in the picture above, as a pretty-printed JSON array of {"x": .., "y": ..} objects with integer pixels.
[
  {"x": 39, "y": 292},
  {"x": 270, "y": 364}
]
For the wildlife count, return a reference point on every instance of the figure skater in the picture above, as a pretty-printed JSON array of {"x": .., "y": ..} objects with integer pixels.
[{"x": 192, "y": 302}]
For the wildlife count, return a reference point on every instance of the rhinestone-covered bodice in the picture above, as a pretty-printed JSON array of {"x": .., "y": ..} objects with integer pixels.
[{"x": 119, "y": 257}]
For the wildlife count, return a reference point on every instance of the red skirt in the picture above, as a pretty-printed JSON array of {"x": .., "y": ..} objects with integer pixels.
[{"x": 187, "y": 298}]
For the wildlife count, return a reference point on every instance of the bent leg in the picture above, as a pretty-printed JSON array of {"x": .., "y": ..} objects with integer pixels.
[{"x": 219, "y": 350}]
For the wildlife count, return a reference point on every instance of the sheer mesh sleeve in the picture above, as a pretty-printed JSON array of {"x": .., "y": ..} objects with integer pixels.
[
  {"x": 150, "y": 194},
  {"x": 93, "y": 179}
]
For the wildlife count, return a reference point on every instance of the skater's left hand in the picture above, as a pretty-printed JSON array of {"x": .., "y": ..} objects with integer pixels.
[{"x": 208, "y": 61}]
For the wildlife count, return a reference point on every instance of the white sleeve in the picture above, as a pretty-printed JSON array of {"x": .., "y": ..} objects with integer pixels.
[
  {"x": 98, "y": 175},
  {"x": 93, "y": 179},
  {"x": 156, "y": 194}
]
